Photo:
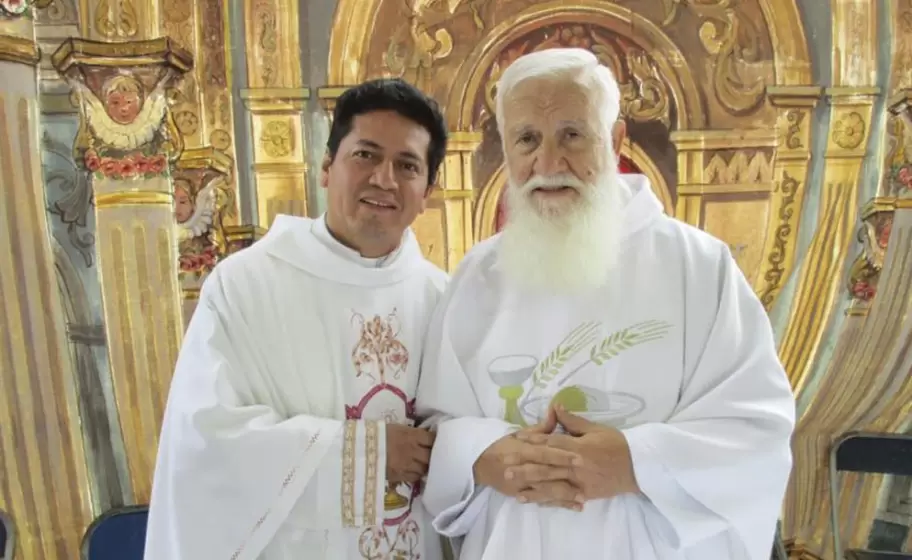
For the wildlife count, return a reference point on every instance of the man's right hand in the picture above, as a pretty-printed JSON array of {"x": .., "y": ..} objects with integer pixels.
[
  {"x": 408, "y": 453},
  {"x": 543, "y": 473}
]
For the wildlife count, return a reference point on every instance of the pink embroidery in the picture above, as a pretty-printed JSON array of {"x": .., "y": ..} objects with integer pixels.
[{"x": 378, "y": 348}]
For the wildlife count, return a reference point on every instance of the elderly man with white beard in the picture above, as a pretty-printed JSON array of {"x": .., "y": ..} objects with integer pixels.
[{"x": 603, "y": 381}]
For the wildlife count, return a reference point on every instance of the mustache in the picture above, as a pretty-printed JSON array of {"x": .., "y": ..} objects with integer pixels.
[{"x": 559, "y": 180}]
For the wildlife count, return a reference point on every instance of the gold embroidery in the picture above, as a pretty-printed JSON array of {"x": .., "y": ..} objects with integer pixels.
[
  {"x": 348, "y": 473},
  {"x": 371, "y": 444}
]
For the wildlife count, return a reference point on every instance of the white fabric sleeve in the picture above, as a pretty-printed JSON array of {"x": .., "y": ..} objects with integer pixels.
[
  {"x": 447, "y": 401},
  {"x": 722, "y": 460},
  {"x": 229, "y": 470}
]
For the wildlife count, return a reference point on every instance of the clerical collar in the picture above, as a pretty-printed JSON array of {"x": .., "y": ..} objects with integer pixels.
[{"x": 322, "y": 233}]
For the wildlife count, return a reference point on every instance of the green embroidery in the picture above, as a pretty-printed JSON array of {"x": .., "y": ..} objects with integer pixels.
[
  {"x": 624, "y": 339},
  {"x": 579, "y": 338}
]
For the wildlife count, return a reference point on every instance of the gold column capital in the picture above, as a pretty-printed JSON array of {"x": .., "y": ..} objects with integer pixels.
[
  {"x": 788, "y": 97},
  {"x": 266, "y": 101},
  {"x": 17, "y": 35},
  {"x": 19, "y": 50},
  {"x": 329, "y": 95},
  {"x": 126, "y": 127}
]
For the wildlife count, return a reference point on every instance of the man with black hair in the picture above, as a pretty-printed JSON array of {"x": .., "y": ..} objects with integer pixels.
[{"x": 289, "y": 431}]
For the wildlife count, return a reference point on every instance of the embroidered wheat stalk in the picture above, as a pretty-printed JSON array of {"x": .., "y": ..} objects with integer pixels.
[
  {"x": 617, "y": 342},
  {"x": 579, "y": 338},
  {"x": 624, "y": 339}
]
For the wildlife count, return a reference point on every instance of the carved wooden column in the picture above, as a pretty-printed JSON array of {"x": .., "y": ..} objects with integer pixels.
[
  {"x": 276, "y": 100},
  {"x": 837, "y": 390},
  {"x": 796, "y": 106},
  {"x": 725, "y": 183},
  {"x": 203, "y": 202},
  {"x": 445, "y": 230},
  {"x": 201, "y": 101},
  {"x": 127, "y": 141},
  {"x": 42, "y": 460}
]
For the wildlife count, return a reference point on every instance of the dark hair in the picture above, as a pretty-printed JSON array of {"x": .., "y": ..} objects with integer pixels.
[{"x": 390, "y": 94}]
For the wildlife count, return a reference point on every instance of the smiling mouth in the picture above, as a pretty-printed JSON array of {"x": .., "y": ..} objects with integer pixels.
[
  {"x": 378, "y": 204},
  {"x": 553, "y": 190}
]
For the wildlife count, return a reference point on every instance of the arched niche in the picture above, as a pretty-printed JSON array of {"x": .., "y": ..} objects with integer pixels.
[
  {"x": 489, "y": 210},
  {"x": 357, "y": 22}
]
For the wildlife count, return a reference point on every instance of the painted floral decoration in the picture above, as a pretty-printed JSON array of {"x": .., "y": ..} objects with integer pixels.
[
  {"x": 135, "y": 165},
  {"x": 863, "y": 290},
  {"x": 884, "y": 236},
  {"x": 14, "y": 7},
  {"x": 901, "y": 176},
  {"x": 203, "y": 261}
]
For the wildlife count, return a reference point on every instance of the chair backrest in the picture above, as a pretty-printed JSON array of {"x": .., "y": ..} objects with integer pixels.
[
  {"x": 7, "y": 537},
  {"x": 865, "y": 452},
  {"x": 118, "y": 534},
  {"x": 874, "y": 453}
]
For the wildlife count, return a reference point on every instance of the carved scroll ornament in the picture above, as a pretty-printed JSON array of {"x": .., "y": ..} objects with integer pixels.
[{"x": 644, "y": 95}]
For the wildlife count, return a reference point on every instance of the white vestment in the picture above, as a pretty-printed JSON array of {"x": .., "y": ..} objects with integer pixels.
[
  {"x": 677, "y": 352},
  {"x": 274, "y": 440}
]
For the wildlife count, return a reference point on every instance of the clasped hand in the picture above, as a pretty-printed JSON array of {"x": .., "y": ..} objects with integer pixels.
[{"x": 536, "y": 465}]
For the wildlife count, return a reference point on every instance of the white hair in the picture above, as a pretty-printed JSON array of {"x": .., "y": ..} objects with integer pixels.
[{"x": 562, "y": 65}]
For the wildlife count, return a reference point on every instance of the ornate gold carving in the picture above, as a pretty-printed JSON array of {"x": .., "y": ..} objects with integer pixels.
[
  {"x": 644, "y": 93},
  {"x": 792, "y": 135},
  {"x": 849, "y": 131},
  {"x": 413, "y": 49},
  {"x": 19, "y": 50},
  {"x": 740, "y": 168},
  {"x": 874, "y": 235},
  {"x": 729, "y": 39},
  {"x": 278, "y": 140},
  {"x": 126, "y": 127},
  {"x": 265, "y": 22},
  {"x": 116, "y": 19},
  {"x": 788, "y": 189}
]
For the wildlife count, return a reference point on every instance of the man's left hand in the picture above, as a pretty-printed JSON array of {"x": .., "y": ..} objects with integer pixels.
[{"x": 606, "y": 470}]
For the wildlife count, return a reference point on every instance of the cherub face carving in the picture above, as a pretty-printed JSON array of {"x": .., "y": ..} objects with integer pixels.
[
  {"x": 183, "y": 202},
  {"x": 123, "y": 99}
]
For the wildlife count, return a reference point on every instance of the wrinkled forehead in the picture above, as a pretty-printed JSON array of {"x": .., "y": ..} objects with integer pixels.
[{"x": 546, "y": 102}]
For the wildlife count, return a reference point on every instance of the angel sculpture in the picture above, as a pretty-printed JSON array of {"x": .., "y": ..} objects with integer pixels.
[
  {"x": 125, "y": 118},
  {"x": 194, "y": 214}
]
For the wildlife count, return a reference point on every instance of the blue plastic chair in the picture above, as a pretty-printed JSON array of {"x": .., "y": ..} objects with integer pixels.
[
  {"x": 7, "y": 537},
  {"x": 118, "y": 534}
]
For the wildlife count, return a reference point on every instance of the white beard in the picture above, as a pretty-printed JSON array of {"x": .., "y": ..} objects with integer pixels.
[{"x": 565, "y": 249}]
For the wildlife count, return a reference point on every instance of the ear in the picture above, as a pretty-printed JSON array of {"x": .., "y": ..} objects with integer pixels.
[
  {"x": 618, "y": 135},
  {"x": 427, "y": 196},
  {"x": 324, "y": 171}
]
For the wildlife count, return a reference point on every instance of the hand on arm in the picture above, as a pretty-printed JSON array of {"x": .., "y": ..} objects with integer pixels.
[{"x": 408, "y": 453}]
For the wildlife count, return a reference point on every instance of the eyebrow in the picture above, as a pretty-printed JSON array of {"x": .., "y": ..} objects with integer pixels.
[{"x": 408, "y": 154}]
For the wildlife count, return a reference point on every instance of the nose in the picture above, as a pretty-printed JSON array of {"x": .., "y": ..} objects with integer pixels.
[
  {"x": 551, "y": 160},
  {"x": 384, "y": 176}
]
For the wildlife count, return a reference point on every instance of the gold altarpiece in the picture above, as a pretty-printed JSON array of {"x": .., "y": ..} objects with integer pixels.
[{"x": 725, "y": 119}]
